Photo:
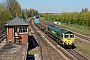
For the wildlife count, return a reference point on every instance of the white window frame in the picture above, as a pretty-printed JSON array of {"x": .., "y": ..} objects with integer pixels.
[{"x": 22, "y": 30}]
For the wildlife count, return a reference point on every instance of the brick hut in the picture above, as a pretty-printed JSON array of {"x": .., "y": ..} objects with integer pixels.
[{"x": 17, "y": 30}]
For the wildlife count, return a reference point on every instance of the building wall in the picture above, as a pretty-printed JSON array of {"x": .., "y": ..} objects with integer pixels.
[
  {"x": 24, "y": 38},
  {"x": 10, "y": 34}
]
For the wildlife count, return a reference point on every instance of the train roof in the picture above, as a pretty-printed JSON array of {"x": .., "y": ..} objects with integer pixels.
[{"x": 58, "y": 29}]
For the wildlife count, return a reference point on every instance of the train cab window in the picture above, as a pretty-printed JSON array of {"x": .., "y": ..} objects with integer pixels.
[
  {"x": 58, "y": 35},
  {"x": 48, "y": 29},
  {"x": 61, "y": 35},
  {"x": 71, "y": 36},
  {"x": 66, "y": 36}
]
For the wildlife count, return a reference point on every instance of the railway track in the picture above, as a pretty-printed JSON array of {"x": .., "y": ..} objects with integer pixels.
[
  {"x": 47, "y": 52},
  {"x": 76, "y": 54},
  {"x": 83, "y": 36},
  {"x": 73, "y": 52},
  {"x": 2, "y": 36}
]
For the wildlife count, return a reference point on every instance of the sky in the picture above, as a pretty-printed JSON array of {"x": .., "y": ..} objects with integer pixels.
[{"x": 55, "y": 6}]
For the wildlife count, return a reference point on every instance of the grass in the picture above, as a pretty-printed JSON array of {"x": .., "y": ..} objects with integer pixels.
[
  {"x": 33, "y": 51},
  {"x": 77, "y": 29},
  {"x": 82, "y": 47}
]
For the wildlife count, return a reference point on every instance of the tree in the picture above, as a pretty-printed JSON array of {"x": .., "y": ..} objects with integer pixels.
[
  {"x": 84, "y": 10},
  {"x": 2, "y": 7},
  {"x": 23, "y": 13},
  {"x": 13, "y": 6},
  {"x": 32, "y": 12},
  {"x": 77, "y": 18},
  {"x": 5, "y": 15}
]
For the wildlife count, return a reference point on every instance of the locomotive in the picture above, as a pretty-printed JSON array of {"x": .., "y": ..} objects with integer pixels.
[
  {"x": 61, "y": 36},
  {"x": 36, "y": 20}
]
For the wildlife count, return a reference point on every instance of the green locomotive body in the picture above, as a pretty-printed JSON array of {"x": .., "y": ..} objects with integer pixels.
[{"x": 64, "y": 37}]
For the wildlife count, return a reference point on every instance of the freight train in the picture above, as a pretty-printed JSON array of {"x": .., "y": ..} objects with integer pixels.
[{"x": 61, "y": 36}]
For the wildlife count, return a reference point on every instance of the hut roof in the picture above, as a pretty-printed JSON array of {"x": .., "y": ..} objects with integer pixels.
[{"x": 17, "y": 22}]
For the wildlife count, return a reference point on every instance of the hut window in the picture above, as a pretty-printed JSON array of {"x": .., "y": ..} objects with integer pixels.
[{"x": 22, "y": 29}]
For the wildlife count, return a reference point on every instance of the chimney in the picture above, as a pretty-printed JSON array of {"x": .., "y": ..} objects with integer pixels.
[{"x": 16, "y": 14}]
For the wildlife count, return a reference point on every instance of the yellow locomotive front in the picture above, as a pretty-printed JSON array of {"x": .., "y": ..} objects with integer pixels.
[{"x": 68, "y": 39}]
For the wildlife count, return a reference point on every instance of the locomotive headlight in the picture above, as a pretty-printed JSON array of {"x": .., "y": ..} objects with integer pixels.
[{"x": 64, "y": 40}]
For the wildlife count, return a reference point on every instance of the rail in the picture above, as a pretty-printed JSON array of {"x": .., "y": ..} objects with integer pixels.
[
  {"x": 76, "y": 54},
  {"x": 2, "y": 36},
  {"x": 73, "y": 52},
  {"x": 47, "y": 51}
]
